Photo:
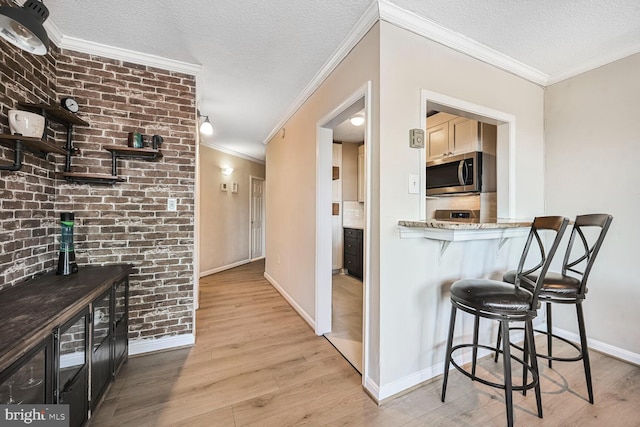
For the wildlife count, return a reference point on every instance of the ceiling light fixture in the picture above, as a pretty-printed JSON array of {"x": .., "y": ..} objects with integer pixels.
[
  {"x": 22, "y": 26},
  {"x": 206, "y": 128},
  {"x": 357, "y": 120}
]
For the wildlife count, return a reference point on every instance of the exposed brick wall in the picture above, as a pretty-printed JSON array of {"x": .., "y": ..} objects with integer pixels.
[
  {"x": 129, "y": 222},
  {"x": 27, "y": 196},
  {"x": 122, "y": 223}
]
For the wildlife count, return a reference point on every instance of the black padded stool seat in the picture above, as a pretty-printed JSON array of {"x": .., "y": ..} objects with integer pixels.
[
  {"x": 491, "y": 295},
  {"x": 506, "y": 303},
  {"x": 570, "y": 286},
  {"x": 554, "y": 284}
]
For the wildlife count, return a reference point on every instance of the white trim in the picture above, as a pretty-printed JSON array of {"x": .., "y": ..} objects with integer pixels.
[
  {"x": 224, "y": 267},
  {"x": 600, "y": 346},
  {"x": 433, "y": 31},
  {"x": 292, "y": 302},
  {"x": 373, "y": 389},
  {"x": 99, "y": 49},
  {"x": 142, "y": 346},
  {"x": 458, "y": 235},
  {"x": 231, "y": 152},
  {"x": 368, "y": 19}
]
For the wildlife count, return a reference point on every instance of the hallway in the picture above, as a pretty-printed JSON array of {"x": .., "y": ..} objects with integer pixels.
[{"x": 257, "y": 363}]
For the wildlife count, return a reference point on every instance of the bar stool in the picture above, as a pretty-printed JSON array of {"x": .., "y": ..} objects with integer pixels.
[
  {"x": 506, "y": 303},
  {"x": 570, "y": 287}
]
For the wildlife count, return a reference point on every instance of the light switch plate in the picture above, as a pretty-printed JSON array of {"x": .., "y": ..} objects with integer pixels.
[
  {"x": 172, "y": 205},
  {"x": 414, "y": 184}
]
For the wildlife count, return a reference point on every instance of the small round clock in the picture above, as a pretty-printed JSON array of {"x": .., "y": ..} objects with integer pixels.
[{"x": 70, "y": 104}]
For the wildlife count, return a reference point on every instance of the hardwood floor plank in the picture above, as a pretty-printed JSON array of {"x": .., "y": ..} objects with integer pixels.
[{"x": 257, "y": 363}]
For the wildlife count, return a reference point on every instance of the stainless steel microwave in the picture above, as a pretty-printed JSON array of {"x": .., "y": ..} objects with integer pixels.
[{"x": 465, "y": 173}]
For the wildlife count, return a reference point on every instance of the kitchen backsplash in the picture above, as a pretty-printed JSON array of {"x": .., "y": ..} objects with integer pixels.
[{"x": 353, "y": 214}]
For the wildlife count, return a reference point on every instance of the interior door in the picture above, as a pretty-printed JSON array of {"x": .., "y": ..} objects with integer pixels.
[
  {"x": 257, "y": 218},
  {"x": 337, "y": 238}
]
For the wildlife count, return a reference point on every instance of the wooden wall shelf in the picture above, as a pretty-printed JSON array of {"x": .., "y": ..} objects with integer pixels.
[
  {"x": 91, "y": 178},
  {"x": 55, "y": 113},
  {"x": 144, "y": 153},
  {"x": 32, "y": 144}
]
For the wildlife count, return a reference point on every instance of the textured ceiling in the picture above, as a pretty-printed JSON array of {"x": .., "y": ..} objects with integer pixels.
[{"x": 257, "y": 56}]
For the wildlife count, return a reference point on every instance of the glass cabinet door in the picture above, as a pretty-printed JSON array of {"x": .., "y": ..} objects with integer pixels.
[
  {"x": 120, "y": 322},
  {"x": 29, "y": 380},
  {"x": 101, "y": 357},
  {"x": 72, "y": 388}
]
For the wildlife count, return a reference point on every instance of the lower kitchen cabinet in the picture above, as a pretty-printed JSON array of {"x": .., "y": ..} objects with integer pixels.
[
  {"x": 69, "y": 350},
  {"x": 353, "y": 250}
]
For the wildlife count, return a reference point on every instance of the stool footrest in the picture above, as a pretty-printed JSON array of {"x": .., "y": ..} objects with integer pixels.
[
  {"x": 546, "y": 356},
  {"x": 527, "y": 386}
]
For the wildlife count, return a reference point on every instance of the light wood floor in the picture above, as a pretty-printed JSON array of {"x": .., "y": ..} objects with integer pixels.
[
  {"x": 257, "y": 363},
  {"x": 346, "y": 318}
]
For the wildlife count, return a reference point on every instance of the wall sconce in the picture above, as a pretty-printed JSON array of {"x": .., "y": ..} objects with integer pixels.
[
  {"x": 358, "y": 119},
  {"x": 205, "y": 126},
  {"x": 227, "y": 171},
  {"x": 22, "y": 26}
]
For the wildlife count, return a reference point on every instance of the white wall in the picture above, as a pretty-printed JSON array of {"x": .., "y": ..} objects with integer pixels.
[
  {"x": 413, "y": 281},
  {"x": 224, "y": 216},
  {"x": 291, "y": 187},
  {"x": 592, "y": 153}
]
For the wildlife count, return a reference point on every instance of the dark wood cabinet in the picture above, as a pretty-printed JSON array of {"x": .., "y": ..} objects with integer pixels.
[
  {"x": 62, "y": 338},
  {"x": 353, "y": 250}
]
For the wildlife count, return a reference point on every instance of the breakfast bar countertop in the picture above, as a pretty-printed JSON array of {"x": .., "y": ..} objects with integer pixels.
[{"x": 476, "y": 224}]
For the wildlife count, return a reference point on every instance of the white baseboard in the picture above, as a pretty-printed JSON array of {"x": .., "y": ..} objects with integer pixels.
[
  {"x": 291, "y": 301},
  {"x": 142, "y": 346},
  {"x": 225, "y": 267},
  {"x": 617, "y": 352}
]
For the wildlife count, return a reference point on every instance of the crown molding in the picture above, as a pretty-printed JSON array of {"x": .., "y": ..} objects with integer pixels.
[
  {"x": 427, "y": 28},
  {"x": 91, "y": 48},
  {"x": 232, "y": 152},
  {"x": 592, "y": 65},
  {"x": 368, "y": 19},
  {"x": 99, "y": 49}
]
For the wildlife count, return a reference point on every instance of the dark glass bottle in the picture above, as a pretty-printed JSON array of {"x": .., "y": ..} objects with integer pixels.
[{"x": 67, "y": 259}]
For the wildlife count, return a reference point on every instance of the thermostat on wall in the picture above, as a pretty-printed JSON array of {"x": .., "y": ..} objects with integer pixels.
[{"x": 416, "y": 138}]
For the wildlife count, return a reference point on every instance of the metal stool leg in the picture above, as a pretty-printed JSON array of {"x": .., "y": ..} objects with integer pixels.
[
  {"x": 549, "y": 331},
  {"x": 447, "y": 360},
  {"x": 525, "y": 358},
  {"x": 584, "y": 350},
  {"x": 528, "y": 332},
  {"x": 476, "y": 327},
  {"x": 495, "y": 357},
  {"x": 506, "y": 354}
]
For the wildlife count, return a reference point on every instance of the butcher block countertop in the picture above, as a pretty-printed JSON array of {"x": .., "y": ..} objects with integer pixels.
[{"x": 31, "y": 310}]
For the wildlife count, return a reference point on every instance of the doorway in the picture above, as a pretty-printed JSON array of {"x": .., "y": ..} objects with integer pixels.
[
  {"x": 343, "y": 318},
  {"x": 256, "y": 208}
]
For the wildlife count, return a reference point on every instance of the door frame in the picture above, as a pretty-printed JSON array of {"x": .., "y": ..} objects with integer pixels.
[
  {"x": 323, "y": 264},
  {"x": 264, "y": 181}
]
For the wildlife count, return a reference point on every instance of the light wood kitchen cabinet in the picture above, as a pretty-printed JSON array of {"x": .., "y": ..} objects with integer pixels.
[
  {"x": 449, "y": 135},
  {"x": 361, "y": 173}
]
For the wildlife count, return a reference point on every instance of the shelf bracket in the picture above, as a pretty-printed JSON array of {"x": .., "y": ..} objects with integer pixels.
[
  {"x": 17, "y": 158},
  {"x": 502, "y": 241},
  {"x": 444, "y": 245}
]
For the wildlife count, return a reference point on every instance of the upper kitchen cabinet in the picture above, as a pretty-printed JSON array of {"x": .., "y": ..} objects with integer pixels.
[{"x": 449, "y": 135}]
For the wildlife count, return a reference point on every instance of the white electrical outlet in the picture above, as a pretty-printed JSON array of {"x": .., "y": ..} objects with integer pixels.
[{"x": 172, "y": 205}]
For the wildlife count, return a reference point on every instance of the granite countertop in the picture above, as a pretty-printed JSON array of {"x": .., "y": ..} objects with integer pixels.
[
  {"x": 482, "y": 224},
  {"x": 31, "y": 310}
]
